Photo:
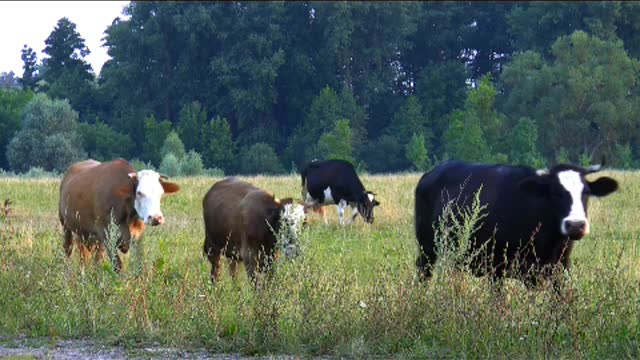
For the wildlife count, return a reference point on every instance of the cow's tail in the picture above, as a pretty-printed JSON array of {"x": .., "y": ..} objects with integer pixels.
[{"x": 303, "y": 176}]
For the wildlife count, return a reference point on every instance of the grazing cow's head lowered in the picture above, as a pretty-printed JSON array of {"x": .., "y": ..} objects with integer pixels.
[
  {"x": 291, "y": 219},
  {"x": 366, "y": 203},
  {"x": 568, "y": 191},
  {"x": 149, "y": 187}
]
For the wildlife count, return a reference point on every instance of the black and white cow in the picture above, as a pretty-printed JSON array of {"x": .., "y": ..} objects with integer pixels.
[
  {"x": 532, "y": 216},
  {"x": 336, "y": 182}
]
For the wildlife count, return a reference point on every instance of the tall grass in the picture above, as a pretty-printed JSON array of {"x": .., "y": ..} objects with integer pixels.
[{"x": 353, "y": 291}]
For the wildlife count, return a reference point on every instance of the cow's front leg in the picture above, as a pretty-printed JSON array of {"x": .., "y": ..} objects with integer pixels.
[
  {"x": 341, "y": 206},
  {"x": 250, "y": 260},
  {"x": 354, "y": 212},
  {"x": 323, "y": 211},
  {"x": 214, "y": 258}
]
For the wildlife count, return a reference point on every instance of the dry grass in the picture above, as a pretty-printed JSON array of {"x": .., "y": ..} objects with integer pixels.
[{"x": 352, "y": 293}]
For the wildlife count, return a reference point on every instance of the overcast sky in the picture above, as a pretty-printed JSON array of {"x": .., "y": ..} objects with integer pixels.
[{"x": 31, "y": 22}]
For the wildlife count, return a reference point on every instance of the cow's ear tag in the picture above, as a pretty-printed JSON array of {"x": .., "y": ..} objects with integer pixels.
[{"x": 133, "y": 175}]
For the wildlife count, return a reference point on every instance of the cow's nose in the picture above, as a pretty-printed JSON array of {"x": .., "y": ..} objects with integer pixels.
[
  {"x": 156, "y": 220},
  {"x": 576, "y": 229}
]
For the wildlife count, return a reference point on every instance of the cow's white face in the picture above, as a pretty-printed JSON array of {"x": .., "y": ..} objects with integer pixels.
[
  {"x": 291, "y": 227},
  {"x": 567, "y": 191},
  {"x": 575, "y": 224},
  {"x": 147, "y": 198}
]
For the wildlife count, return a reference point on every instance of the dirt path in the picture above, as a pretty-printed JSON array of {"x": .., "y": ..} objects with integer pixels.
[{"x": 87, "y": 349}]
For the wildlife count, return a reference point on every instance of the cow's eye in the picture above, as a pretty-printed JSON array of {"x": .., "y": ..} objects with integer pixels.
[{"x": 140, "y": 194}]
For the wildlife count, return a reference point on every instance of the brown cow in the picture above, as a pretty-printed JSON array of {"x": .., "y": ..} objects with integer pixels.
[
  {"x": 241, "y": 222},
  {"x": 92, "y": 192}
]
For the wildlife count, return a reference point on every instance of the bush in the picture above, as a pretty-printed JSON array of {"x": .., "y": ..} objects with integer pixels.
[
  {"x": 191, "y": 164},
  {"x": 40, "y": 173},
  {"x": 48, "y": 138},
  {"x": 260, "y": 158},
  {"x": 623, "y": 156},
  {"x": 219, "y": 148},
  {"x": 214, "y": 172},
  {"x": 416, "y": 152},
  {"x": 103, "y": 143},
  {"x": 173, "y": 145},
  {"x": 170, "y": 165},
  {"x": 141, "y": 165}
]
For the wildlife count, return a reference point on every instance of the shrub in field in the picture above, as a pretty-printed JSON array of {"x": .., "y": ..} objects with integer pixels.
[
  {"x": 103, "y": 143},
  {"x": 40, "y": 173},
  {"x": 624, "y": 156},
  {"x": 140, "y": 165},
  {"x": 173, "y": 145},
  {"x": 170, "y": 165},
  {"x": 48, "y": 138},
  {"x": 191, "y": 164},
  {"x": 218, "y": 145},
  {"x": 453, "y": 233},
  {"x": 155, "y": 134},
  {"x": 260, "y": 158},
  {"x": 213, "y": 172},
  {"x": 416, "y": 152}
]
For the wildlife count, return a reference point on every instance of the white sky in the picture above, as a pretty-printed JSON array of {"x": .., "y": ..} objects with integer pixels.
[{"x": 31, "y": 22}]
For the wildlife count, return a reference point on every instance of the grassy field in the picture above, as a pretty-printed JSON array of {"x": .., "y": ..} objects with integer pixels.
[{"x": 352, "y": 293}]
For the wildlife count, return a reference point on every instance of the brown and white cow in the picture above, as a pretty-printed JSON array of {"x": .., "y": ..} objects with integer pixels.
[
  {"x": 243, "y": 223},
  {"x": 92, "y": 193}
]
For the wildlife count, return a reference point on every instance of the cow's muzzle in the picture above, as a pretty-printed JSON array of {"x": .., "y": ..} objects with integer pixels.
[
  {"x": 576, "y": 229},
  {"x": 155, "y": 220}
]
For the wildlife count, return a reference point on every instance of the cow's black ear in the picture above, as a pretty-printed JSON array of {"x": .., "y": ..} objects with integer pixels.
[
  {"x": 536, "y": 186},
  {"x": 603, "y": 186}
]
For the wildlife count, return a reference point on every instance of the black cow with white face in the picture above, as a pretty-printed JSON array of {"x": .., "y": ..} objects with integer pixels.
[
  {"x": 336, "y": 182},
  {"x": 532, "y": 216}
]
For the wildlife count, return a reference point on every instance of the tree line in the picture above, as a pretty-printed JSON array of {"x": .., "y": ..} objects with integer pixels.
[{"x": 264, "y": 87}]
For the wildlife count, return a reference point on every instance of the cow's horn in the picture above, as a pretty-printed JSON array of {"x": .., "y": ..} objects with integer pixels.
[
  {"x": 163, "y": 176},
  {"x": 541, "y": 172},
  {"x": 594, "y": 168}
]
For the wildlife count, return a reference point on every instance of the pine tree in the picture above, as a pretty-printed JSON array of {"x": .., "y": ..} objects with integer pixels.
[{"x": 30, "y": 73}]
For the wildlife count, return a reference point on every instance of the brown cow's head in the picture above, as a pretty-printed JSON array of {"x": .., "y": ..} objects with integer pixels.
[{"x": 150, "y": 186}]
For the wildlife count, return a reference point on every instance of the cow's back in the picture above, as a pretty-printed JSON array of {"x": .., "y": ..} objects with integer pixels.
[
  {"x": 90, "y": 190},
  {"x": 337, "y": 174},
  {"x": 498, "y": 184},
  {"x": 222, "y": 211}
]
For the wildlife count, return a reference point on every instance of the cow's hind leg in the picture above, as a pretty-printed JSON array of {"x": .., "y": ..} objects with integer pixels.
[
  {"x": 424, "y": 263},
  {"x": 427, "y": 256},
  {"x": 214, "y": 258},
  {"x": 68, "y": 242},
  {"x": 233, "y": 269}
]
